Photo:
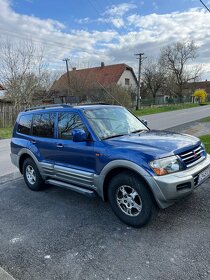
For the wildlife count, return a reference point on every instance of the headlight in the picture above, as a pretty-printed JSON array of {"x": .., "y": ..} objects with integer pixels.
[{"x": 165, "y": 166}]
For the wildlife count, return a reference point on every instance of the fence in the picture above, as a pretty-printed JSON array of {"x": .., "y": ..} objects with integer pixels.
[{"x": 8, "y": 114}]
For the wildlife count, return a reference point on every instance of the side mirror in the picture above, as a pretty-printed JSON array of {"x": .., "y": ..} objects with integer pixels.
[
  {"x": 144, "y": 121},
  {"x": 79, "y": 135}
]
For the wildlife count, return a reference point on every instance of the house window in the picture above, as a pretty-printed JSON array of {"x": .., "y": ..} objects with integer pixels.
[{"x": 127, "y": 82}]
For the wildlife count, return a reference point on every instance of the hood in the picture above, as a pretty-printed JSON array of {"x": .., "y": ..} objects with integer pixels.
[{"x": 156, "y": 143}]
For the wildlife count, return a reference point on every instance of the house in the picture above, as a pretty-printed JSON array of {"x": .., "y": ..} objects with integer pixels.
[
  {"x": 93, "y": 80},
  {"x": 191, "y": 87}
]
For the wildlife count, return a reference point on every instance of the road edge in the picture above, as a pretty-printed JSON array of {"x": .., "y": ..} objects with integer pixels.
[
  {"x": 4, "y": 275},
  {"x": 10, "y": 177}
]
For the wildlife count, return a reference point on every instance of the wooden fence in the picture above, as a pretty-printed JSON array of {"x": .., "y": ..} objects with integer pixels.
[{"x": 8, "y": 114}]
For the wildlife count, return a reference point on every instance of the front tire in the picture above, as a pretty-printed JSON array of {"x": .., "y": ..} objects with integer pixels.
[
  {"x": 32, "y": 176},
  {"x": 130, "y": 199}
]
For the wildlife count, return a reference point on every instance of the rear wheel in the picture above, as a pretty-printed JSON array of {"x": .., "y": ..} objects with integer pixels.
[
  {"x": 130, "y": 199},
  {"x": 32, "y": 176}
]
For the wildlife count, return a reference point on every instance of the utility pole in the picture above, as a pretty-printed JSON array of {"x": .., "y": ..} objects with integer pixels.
[
  {"x": 140, "y": 58},
  {"x": 67, "y": 69}
]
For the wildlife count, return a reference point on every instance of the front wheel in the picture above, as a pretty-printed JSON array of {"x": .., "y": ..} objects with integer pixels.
[
  {"x": 32, "y": 176},
  {"x": 130, "y": 199}
]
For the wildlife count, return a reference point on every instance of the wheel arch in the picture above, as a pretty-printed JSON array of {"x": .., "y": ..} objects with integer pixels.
[
  {"x": 23, "y": 155},
  {"x": 118, "y": 166},
  {"x": 112, "y": 173}
]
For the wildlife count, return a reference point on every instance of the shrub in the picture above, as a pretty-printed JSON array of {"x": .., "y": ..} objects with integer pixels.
[{"x": 201, "y": 95}]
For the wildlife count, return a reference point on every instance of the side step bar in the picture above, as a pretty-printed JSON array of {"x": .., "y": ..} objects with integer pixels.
[{"x": 84, "y": 191}]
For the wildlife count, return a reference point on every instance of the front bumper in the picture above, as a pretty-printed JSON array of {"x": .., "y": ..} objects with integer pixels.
[{"x": 177, "y": 185}]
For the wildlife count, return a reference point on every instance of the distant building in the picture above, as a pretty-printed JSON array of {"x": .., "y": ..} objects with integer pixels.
[
  {"x": 92, "y": 80},
  {"x": 191, "y": 87}
]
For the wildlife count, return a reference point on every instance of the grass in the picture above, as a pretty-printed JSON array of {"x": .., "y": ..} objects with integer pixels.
[
  {"x": 6, "y": 132},
  {"x": 161, "y": 109},
  {"x": 205, "y": 119},
  {"x": 206, "y": 141}
]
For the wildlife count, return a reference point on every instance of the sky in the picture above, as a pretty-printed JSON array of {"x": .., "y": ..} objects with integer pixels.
[{"x": 90, "y": 31}]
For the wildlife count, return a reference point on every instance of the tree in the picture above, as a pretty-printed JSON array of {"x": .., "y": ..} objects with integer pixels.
[
  {"x": 22, "y": 71},
  {"x": 176, "y": 59},
  {"x": 153, "y": 78}
]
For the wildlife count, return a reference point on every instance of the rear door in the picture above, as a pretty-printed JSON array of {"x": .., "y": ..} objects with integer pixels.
[{"x": 43, "y": 141}]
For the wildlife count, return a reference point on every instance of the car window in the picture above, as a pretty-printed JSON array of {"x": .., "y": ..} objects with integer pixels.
[
  {"x": 112, "y": 122},
  {"x": 43, "y": 125},
  {"x": 68, "y": 121},
  {"x": 24, "y": 125}
]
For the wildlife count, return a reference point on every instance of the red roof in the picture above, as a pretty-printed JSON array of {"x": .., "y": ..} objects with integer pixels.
[{"x": 105, "y": 75}]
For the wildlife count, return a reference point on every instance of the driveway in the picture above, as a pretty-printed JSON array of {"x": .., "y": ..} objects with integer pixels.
[
  {"x": 59, "y": 234},
  {"x": 7, "y": 168}
]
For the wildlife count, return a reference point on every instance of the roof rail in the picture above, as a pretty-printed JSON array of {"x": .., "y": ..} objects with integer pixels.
[{"x": 47, "y": 106}]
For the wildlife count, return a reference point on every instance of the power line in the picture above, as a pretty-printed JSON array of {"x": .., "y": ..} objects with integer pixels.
[
  {"x": 50, "y": 43},
  {"x": 205, "y": 6}
]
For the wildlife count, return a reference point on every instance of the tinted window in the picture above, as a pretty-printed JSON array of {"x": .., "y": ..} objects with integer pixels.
[
  {"x": 24, "y": 125},
  {"x": 67, "y": 122},
  {"x": 43, "y": 125}
]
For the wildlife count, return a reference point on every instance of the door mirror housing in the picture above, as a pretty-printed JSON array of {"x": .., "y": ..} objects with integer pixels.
[
  {"x": 79, "y": 135},
  {"x": 144, "y": 121}
]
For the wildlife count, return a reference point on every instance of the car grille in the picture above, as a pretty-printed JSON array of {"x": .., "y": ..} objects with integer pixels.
[{"x": 192, "y": 156}]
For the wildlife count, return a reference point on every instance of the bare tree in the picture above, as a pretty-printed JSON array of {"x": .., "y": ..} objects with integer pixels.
[
  {"x": 176, "y": 59},
  {"x": 153, "y": 77},
  {"x": 22, "y": 70}
]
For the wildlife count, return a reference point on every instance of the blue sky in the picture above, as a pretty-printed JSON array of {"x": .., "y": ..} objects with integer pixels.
[
  {"x": 91, "y": 31},
  {"x": 69, "y": 12}
]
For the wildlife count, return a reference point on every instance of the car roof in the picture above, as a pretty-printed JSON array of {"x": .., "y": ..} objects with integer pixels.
[{"x": 62, "y": 107}]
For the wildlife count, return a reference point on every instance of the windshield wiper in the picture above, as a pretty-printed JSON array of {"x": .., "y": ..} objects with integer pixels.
[
  {"x": 113, "y": 136},
  {"x": 138, "y": 130}
]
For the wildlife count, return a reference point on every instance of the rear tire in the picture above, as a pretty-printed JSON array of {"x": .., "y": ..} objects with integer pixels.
[
  {"x": 32, "y": 176},
  {"x": 130, "y": 199}
]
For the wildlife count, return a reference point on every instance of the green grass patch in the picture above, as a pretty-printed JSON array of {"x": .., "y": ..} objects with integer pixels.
[
  {"x": 161, "y": 109},
  {"x": 206, "y": 141},
  {"x": 5, "y": 133},
  {"x": 205, "y": 119}
]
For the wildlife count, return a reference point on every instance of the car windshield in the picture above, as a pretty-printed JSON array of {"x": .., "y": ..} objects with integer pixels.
[{"x": 113, "y": 122}]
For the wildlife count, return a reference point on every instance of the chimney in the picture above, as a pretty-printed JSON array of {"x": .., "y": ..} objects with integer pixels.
[
  {"x": 74, "y": 68},
  {"x": 102, "y": 64}
]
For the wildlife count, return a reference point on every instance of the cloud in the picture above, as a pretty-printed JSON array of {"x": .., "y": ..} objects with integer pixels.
[{"x": 120, "y": 9}]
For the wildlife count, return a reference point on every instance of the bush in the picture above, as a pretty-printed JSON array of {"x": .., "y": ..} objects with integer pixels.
[{"x": 201, "y": 95}]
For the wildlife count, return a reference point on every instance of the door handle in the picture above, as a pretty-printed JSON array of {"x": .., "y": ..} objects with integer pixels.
[
  {"x": 32, "y": 141},
  {"x": 60, "y": 145}
]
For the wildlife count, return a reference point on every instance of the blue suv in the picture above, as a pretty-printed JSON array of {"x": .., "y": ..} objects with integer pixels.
[{"x": 105, "y": 149}]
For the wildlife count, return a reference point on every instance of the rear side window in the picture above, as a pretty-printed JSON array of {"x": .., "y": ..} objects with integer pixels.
[
  {"x": 66, "y": 122},
  {"x": 43, "y": 125},
  {"x": 24, "y": 125}
]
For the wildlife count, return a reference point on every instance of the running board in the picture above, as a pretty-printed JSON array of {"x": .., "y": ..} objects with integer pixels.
[{"x": 84, "y": 191}]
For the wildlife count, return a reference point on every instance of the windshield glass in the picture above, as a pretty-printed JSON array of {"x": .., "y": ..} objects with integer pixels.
[{"x": 113, "y": 122}]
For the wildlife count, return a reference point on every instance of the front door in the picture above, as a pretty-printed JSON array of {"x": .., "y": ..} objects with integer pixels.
[{"x": 74, "y": 161}]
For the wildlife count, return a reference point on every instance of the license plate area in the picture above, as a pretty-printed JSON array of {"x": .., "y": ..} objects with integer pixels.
[{"x": 203, "y": 175}]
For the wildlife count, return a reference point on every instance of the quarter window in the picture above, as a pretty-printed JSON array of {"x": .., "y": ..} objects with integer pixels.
[
  {"x": 66, "y": 123},
  {"x": 24, "y": 125},
  {"x": 43, "y": 125}
]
